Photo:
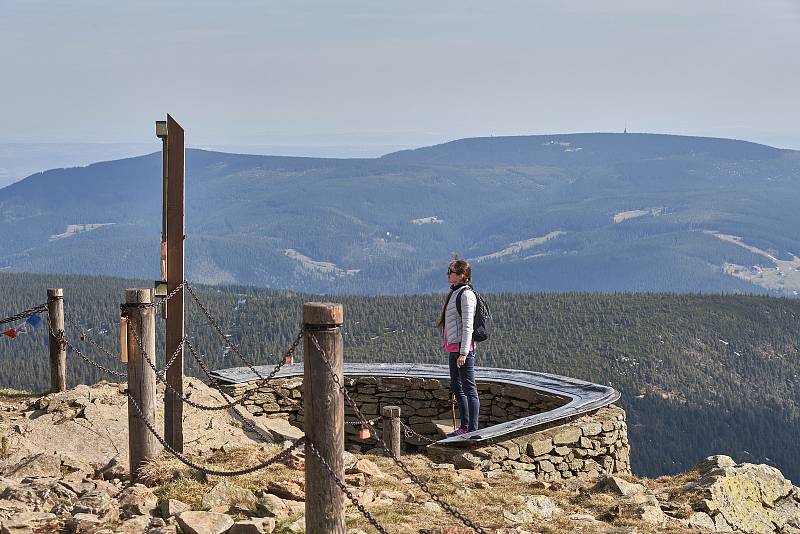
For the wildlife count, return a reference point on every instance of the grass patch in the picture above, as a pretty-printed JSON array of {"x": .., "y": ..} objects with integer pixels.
[{"x": 11, "y": 394}]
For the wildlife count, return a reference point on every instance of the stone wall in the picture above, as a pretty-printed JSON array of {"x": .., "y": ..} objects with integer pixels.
[
  {"x": 590, "y": 445},
  {"x": 593, "y": 444}
]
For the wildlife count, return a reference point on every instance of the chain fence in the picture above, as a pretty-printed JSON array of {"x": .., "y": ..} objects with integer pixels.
[
  {"x": 419, "y": 482},
  {"x": 344, "y": 489},
  {"x": 411, "y": 433},
  {"x": 262, "y": 380},
  {"x": 61, "y": 338},
  {"x": 231, "y": 403},
  {"x": 281, "y": 456},
  {"x": 370, "y": 422},
  {"x": 214, "y": 323},
  {"x": 36, "y": 310}
]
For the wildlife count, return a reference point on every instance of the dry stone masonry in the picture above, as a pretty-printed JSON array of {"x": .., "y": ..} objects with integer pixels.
[
  {"x": 593, "y": 444},
  {"x": 587, "y": 447}
]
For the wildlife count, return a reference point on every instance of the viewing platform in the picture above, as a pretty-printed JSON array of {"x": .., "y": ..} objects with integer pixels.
[{"x": 552, "y": 426}]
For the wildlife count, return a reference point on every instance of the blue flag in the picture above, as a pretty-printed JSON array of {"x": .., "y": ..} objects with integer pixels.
[{"x": 34, "y": 321}]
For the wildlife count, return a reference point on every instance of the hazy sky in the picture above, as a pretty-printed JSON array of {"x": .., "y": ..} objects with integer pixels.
[{"x": 379, "y": 73}]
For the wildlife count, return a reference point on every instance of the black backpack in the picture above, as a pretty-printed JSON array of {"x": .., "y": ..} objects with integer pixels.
[{"x": 480, "y": 324}]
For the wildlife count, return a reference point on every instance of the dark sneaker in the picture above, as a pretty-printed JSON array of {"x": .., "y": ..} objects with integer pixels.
[{"x": 457, "y": 432}]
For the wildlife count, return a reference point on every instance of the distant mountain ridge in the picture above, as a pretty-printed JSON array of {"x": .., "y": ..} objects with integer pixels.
[{"x": 624, "y": 212}]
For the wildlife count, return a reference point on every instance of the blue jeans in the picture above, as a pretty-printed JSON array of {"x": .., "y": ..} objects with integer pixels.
[{"x": 463, "y": 386}]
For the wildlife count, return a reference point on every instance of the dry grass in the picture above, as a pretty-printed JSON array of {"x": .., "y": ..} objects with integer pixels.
[
  {"x": 482, "y": 501},
  {"x": 16, "y": 394}
]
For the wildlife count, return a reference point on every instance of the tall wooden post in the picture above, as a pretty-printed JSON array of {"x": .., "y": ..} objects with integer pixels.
[
  {"x": 173, "y": 234},
  {"x": 142, "y": 445},
  {"x": 58, "y": 351},
  {"x": 323, "y": 405},
  {"x": 391, "y": 429}
]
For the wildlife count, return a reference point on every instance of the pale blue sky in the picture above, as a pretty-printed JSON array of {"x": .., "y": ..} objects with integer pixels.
[{"x": 388, "y": 74}]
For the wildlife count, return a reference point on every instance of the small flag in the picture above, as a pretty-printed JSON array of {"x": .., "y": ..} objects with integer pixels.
[
  {"x": 288, "y": 359},
  {"x": 11, "y": 332},
  {"x": 34, "y": 321},
  {"x": 364, "y": 433}
]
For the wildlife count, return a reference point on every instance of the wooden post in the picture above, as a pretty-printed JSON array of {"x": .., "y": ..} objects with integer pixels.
[
  {"x": 58, "y": 351},
  {"x": 391, "y": 429},
  {"x": 323, "y": 405},
  {"x": 142, "y": 445},
  {"x": 174, "y": 220}
]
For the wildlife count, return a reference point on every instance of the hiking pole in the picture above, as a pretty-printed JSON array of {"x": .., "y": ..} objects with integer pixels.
[{"x": 453, "y": 408}]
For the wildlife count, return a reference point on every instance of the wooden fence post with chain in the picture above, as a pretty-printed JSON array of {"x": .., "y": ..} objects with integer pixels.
[
  {"x": 391, "y": 428},
  {"x": 142, "y": 445},
  {"x": 323, "y": 406},
  {"x": 58, "y": 348}
]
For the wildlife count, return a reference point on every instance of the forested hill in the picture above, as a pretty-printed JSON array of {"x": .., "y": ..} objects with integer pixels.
[
  {"x": 699, "y": 374},
  {"x": 579, "y": 212}
]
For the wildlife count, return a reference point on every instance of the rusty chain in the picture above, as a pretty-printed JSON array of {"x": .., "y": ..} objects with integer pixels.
[
  {"x": 157, "y": 305},
  {"x": 344, "y": 489},
  {"x": 36, "y": 310},
  {"x": 258, "y": 383},
  {"x": 410, "y": 432},
  {"x": 199, "y": 406},
  {"x": 60, "y": 337},
  {"x": 436, "y": 498},
  {"x": 205, "y": 470},
  {"x": 88, "y": 340},
  {"x": 219, "y": 330},
  {"x": 370, "y": 421},
  {"x": 215, "y": 384}
]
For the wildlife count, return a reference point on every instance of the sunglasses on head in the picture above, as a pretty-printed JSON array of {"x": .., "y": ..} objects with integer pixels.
[{"x": 451, "y": 271}]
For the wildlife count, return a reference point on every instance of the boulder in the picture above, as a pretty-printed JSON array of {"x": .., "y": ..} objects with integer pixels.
[
  {"x": 366, "y": 467},
  {"x": 365, "y": 496},
  {"x": 468, "y": 460},
  {"x": 99, "y": 503},
  {"x": 619, "y": 486},
  {"x": 11, "y": 508},
  {"x": 287, "y": 490},
  {"x": 40, "y": 494},
  {"x": 28, "y": 522},
  {"x": 649, "y": 513},
  {"x": 228, "y": 494},
  {"x": 271, "y": 506},
  {"x": 746, "y": 497},
  {"x": 136, "y": 525},
  {"x": 541, "y": 506},
  {"x": 137, "y": 499},
  {"x": 701, "y": 521},
  {"x": 204, "y": 522},
  {"x": 279, "y": 429},
  {"x": 264, "y": 525},
  {"x": 170, "y": 507},
  {"x": 393, "y": 495},
  {"x": 37, "y": 465}
]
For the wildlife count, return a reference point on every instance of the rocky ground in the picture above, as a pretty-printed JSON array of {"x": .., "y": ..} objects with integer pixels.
[{"x": 63, "y": 461}]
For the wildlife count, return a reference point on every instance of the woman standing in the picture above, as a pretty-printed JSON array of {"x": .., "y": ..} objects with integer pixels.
[{"x": 457, "y": 332}]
